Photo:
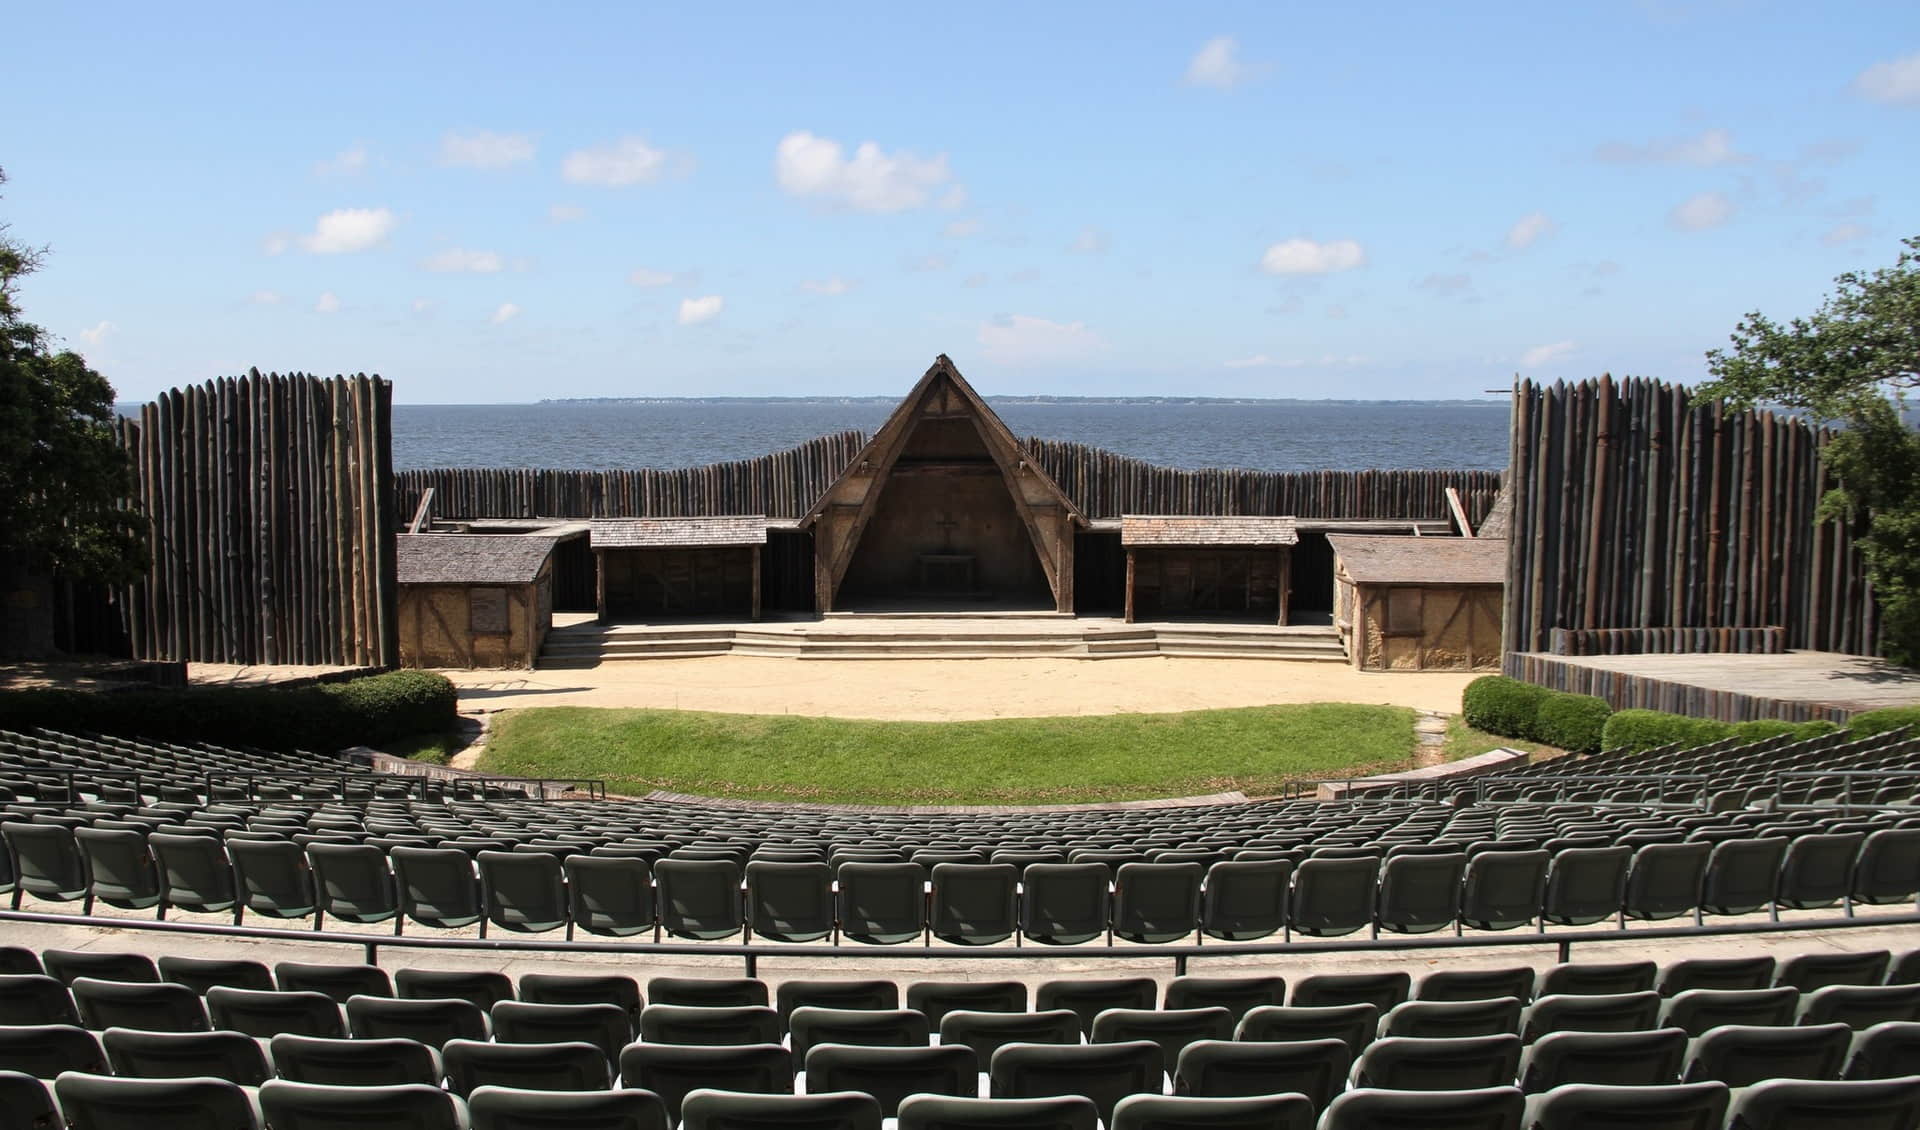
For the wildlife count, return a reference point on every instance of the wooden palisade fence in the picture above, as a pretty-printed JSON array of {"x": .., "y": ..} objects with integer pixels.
[
  {"x": 786, "y": 484},
  {"x": 1635, "y": 509},
  {"x": 271, "y": 503}
]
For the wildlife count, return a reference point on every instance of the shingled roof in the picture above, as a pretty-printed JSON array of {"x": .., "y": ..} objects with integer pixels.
[
  {"x": 1421, "y": 561},
  {"x": 471, "y": 559},
  {"x": 1168, "y": 529},
  {"x": 668, "y": 533}
]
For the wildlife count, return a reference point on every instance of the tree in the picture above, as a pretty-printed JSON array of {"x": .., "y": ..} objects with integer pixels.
[
  {"x": 64, "y": 479},
  {"x": 1851, "y": 365}
]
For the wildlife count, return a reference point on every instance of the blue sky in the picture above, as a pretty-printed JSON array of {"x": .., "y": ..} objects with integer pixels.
[{"x": 507, "y": 202}]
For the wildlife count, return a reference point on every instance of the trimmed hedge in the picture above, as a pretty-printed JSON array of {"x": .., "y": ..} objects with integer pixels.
[
  {"x": 1503, "y": 706},
  {"x": 367, "y": 711},
  {"x": 1880, "y": 721},
  {"x": 1573, "y": 722},
  {"x": 1641, "y": 730}
]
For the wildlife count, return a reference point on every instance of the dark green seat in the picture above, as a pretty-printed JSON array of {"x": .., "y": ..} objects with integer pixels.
[
  {"x": 47, "y": 863},
  {"x": 1172, "y": 1029},
  {"x": 871, "y": 994},
  {"x": 232, "y": 1056},
  {"x": 1155, "y": 902},
  {"x": 147, "y": 1006},
  {"x": 1595, "y": 978},
  {"x": 1794, "y": 1104},
  {"x": 561, "y": 1066},
  {"x": 583, "y": 988},
  {"x": 341, "y": 982},
  {"x": 708, "y": 992},
  {"x": 1502, "y": 890},
  {"x": 1485, "y": 1108},
  {"x": 436, "y": 887},
  {"x": 1887, "y": 869},
  {"x": 973, "y": 903},
  {"x": 790, "y": 901},
  {"x": 1352, "y": 1024},
  {"x": 890, "y": 1074},
  {"x": 362, "y": 1062},
  {"x": 694, "y": 1024},
  {"x": 1332, "y": 896},
  {"x": 483, "y": 987},
  {"x": 1860, "y": 1006},
  {"x": 317, "y": 1106},
  {"x": 1064, "y": 904},
  {"x": 879, "y": 1027},
  {"x": 611, "y": 896},
  {"x": 1742, "y": 875},
  {"x": 35, "y": 998},
  {"x": 263, "y": 1014},
  {"x": 1716, "y": 973},
  {"x": 934, "y": 999},
  {"x": 938, "y": 1112},
  {"x": 203, "y": 973},
  {"x": 1105, "y": 1073},
  {"x": 1817, "y": 870},
  {"x": 674, "y": 1071},
  {"x": 70, "y": 965},
  {"x": 1236, "y": 1068},
  {"x": 1238, "y": 995},
  {"x": 1665, "y": 881},
  {"x": 1810, "y": 971},
  {"x": 699, "y": 898},
  {"x": 353, "y": 884},
  {"x": 1419, "y": 894},
  {"x": 1884, "y": 1051},
  {"x": 881, "y": 903},
  {"x": 120, "y": 868},
  {"x": 732, "y": 1110},
  {"x": 1381, "y": 990},
  {"x": 1186, "y": 1112},
  {"x": 1088, "y": 997},
  {"x": 1452, "y": 1018},
  {"x": 101, "y": 1102},
  {"x": 1638, "y": 1059},
  {"x": 988, "y": 1032},
  {"x": 507, "y": 1108},
  {"x": 432, "y": 1022},
  {"x": 1697, "y": 1010},
  {"x": 195, "y": 874},
  {"x": 1585, "y": 885},
  {"x": 46, "y": 1050},
  {"x": 1593, "y": 1012},
  {"x": 524, "y": 892},
  {"x": 1244, "y": 899},
  {"x": 1476, "y": 984},
  {"x": 26, "y": 1103},
  {"x": 606, "y": 1026},
  {"x": 1590, "y": 1106},
  {"x": 1459, "y": 1063},
  {"x": 273, "y": 879},
  {"x": 1740, "y": 1055}
]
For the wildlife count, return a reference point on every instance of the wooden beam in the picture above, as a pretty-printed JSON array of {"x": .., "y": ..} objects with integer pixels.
[
  {"x": 756, "y": 581},
  {"x": 1129, "y": 612},
  {"x": 1459, "y": 512},
  {"x": 421, "y": 511}
]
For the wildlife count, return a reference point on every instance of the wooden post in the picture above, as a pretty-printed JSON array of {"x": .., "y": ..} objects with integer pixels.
[
  {"x": 600, "y": 585},
  {"x": 757, "y": 550},
  {"x": 1286, "y": 581},
  {"x": 1129, "y": 585}
]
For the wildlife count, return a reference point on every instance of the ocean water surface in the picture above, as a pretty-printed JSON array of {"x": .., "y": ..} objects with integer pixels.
[{"x": 1264, "y": 435}]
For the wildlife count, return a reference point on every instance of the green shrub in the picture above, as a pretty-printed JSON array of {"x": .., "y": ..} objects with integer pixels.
[
  {"x": 1880, "y": 721},
  {"x": 1763, "y": 729},
  {"x": 1819, "y": 727},
  {"x": 1649, "y": 729},
  {"x": 365, "y": 711},
  {"x": 1573, "y": 722},
  {"x": 1503, "y": 706}
]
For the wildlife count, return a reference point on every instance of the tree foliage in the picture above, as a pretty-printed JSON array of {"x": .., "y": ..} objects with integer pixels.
[
  {"x": 1851, "y": 364},
  {"x": 64, "y": 479}
]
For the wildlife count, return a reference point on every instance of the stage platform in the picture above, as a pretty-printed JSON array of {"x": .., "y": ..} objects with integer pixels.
[
  {"x": 579, "y": 641},
  {"x": 1794, "y": 685}
]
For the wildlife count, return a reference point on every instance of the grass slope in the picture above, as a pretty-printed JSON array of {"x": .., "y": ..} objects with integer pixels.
[{"x": 1003, "y": 761}]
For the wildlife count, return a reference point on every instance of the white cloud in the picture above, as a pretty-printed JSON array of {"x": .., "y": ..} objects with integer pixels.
[
  {"x": 485, "y": 149},
  {"x": 348, "y": 162},
  {"x": 1305, "y": 257},
  {"x": 648, "y": 277},
  {"x": 97, "y": 334},
  {"x": 1090, "y": 241},
  {"x": 953, "y": 199},
  {"x": 871, "y": 181},
  {"x": 1895, "y": 82},
  {"x": 620, "y": 164},
  {"x": 962, "y": 229},
  {"x": 346, "y": 230},
  {"x": 455, "y": 260},
  {"x": 504, "y": 313},
  {"x": 1841, "y": 234},
  {"x": 693, "y": 311},
  {"x": 1217, "y": 65},
  {"x": 566, "y": 213},
  {"x": 274, "y": 244},
  {"x": 422, "y": 305},
  {"x": 833, "y": 285},
  {"x": 1709, "y": 148},
  {"x": 1545, "y": 354},
  {"x": 1020, "y": 337},
  {"x": 264, "y": 298},
  {"x": 1528, "y": 230},
  {"x": 1701, "y": 211},
  {"x": 329, "y": 303}
]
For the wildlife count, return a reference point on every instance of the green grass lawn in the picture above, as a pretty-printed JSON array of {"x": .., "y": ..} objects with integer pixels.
[
  {"x": 1003, "y": 761},
  {"x": 1465, "y": 741}
]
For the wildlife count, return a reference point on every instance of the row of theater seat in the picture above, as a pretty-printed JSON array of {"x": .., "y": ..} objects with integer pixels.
[
  {"x": 1732, "y": 767},
  {"x": 1416, "y": 890},
  {"x": 1331, "y": 1042}
]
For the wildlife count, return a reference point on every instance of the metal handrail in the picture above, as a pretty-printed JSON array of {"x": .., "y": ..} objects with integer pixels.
[
  {"x": 752, "y": 952},
  {"x": 1558, "y": 781},
  {"x": 1782, "y": 778}
]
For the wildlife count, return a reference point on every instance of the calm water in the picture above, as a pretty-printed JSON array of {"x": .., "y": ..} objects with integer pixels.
[{"x": 1290, "y": 436}]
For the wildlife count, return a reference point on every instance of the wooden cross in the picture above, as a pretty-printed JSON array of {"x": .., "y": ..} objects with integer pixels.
[{"x": 946, "y": 523}]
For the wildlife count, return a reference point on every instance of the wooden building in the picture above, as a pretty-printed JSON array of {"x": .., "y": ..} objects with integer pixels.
[
  {"x": 1221, "y": 566},
  {"x": 1419, "y": 603},
  {"x": 942, "y": 506},
  {"x": 474, "y": 600},
  {"x": 664, "y": 568}
]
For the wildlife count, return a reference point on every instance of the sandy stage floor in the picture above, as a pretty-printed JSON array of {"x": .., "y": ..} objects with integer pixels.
[{"x": 937, "y": 689}]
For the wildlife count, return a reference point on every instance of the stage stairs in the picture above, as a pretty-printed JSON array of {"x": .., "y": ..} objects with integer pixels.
[{"x": 972, "y": 636}]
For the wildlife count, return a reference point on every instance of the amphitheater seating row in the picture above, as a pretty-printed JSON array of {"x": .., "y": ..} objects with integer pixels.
[
  {"x": 1730, "y": 767},
  {"x": 710, "y": 899}
]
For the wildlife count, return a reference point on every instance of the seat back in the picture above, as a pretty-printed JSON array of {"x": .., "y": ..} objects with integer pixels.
[
  {"x": 100, "y": 1102},
  {"x": 881, "y": 903},
  {"x": 973, "y": 903},
  {"x": 673, "y": 1071},
  {"x": 699, "y": 898},
  {"x": 610, "y": 895},
  {"x": 522, "y": 891},
  {"x": 790, "y": 902},
  {"x": 363, "y": 1062}
]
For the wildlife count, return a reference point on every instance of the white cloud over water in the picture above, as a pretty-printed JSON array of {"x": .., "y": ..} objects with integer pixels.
[
  {"x": 693, "y": 311},
  {"x": 1306, "y": 257},
  {"x": 871, "y": 180},
  {"x": 1022, "y": 337}
]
